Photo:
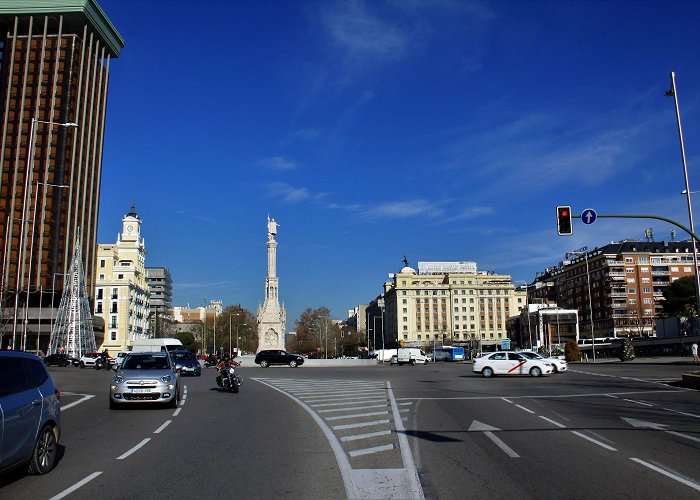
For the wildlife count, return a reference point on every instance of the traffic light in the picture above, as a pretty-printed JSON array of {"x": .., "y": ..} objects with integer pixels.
[{"x": 564, "y": 220}]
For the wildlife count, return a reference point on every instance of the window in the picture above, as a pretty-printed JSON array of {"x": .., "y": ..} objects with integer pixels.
[
  {"x": 629, "y": 270},
  {"x": 630, "y": 280},
  {"x": 405, "y": 301},
  {"x": 113, "y": 336},
  {"x": 633, "y": 301},
  {"x": 629, "y": 260},
  {"x": 647, "y": 290},
  {"x": 632, "y": 291},
  {"x": 99, "y": 293},
  {"x": 98, "y": 308},
  {"x": 647, "y": 301},
  {"x": 102, "y": 263},
  {"x": 113, "y": 323}
]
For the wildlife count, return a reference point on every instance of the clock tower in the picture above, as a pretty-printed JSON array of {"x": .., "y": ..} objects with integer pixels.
[{"x": 131, "y": 226}]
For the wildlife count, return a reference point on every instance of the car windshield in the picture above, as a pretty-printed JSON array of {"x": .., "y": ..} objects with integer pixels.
[
  {"x": 531, "y": 355},
  {"x": 146, "y": 363}
]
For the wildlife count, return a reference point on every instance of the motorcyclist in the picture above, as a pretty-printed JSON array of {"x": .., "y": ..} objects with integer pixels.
[{"x": 225, "y": 365}]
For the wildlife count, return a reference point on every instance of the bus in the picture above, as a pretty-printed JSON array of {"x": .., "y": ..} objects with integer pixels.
[{"x": 449, "y": 353}]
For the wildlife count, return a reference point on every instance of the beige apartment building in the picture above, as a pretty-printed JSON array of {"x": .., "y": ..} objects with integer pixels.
[
  {"x": 121, "y": 289},
  {"x": 451, "y": 302}
]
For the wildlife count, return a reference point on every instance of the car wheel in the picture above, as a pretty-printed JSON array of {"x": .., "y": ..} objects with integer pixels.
[
  {"x": 173, "y": 402},
  {"x": 264, "y": 363},
  {"x": 293, "y": 363},
  {"x": 487, "y": 372},
  {"x": 44, "y": 456},
  {"x": 554, "y": 369},
  {"x": 413, "y": 362},
  {"x": 535, "y": 372},
  {"x": 425, "y": 362},
  {"x": 66, "y": 364},
  {"x": 81, "y": 365}
]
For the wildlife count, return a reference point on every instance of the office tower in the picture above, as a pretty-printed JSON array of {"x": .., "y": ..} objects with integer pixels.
[{"x": 54, "y": 74}]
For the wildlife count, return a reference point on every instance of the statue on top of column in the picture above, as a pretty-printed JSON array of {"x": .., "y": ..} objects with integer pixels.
[{"x": 271, "y": 227}]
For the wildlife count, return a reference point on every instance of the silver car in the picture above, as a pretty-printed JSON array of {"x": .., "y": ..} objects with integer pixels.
[
  {"x": 30, "y": 413},
  {"x": 145, "y": 377}
]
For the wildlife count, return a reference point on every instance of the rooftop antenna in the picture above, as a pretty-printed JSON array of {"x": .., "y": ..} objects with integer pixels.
[{"x": 673, "y": 235}]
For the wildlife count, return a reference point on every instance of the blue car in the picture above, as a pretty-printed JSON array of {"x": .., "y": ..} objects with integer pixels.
[{"x": 30, "y": 413}]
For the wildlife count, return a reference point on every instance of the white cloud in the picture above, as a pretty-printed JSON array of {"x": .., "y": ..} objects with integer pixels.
[
  {"x": 404, "y": 209},
  {"x": 287, "y": 193},
  {"x": 278, "y": 163}
]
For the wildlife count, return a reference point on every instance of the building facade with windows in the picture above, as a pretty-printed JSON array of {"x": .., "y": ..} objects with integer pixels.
[
  {"x": 626, "y": 279},
  {"x": 457, "y": 306},
  {"x": 160, "y": 289},
  {"x": 54, "y": 75},
  {"x": 121, "y": 289}
]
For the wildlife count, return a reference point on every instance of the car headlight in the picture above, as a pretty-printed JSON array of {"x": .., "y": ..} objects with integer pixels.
[
  {"x": 166, "y": 378},
  {"x": 118, "y": 379}
]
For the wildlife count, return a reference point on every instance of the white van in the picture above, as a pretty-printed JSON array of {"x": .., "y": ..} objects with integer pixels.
[
  {"x": 149, "y": 345},
  {"x": 383, "y": 355},
  {"x": 411, "y": 355}
]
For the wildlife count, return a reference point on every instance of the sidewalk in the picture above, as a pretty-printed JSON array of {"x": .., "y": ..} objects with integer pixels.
[{"x": 658, "y": 360}]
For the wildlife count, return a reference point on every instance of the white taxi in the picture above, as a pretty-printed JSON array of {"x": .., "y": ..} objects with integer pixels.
[{"x": 510, "y": 363}]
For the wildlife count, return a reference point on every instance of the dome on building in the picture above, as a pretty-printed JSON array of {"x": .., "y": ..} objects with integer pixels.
[{"x": 408, "y": 270}]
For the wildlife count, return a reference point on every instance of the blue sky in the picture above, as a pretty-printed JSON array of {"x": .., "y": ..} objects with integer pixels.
[{"x": 436, "y": 129}]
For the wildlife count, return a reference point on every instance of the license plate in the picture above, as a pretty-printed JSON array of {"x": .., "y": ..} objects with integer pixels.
[{"x": 140, "y": 390}]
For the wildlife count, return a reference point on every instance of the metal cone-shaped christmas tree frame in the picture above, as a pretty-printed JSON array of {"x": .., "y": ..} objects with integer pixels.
[{"x": 72, "y": 332}]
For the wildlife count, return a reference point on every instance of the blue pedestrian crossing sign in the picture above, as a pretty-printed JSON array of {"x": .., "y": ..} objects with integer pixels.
[{"x": 588, "y": 216}]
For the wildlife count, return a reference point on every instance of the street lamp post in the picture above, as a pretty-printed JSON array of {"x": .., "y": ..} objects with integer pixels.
[
  {"x": 229, "y": 333},
  {"x": 584, "y": 251},
  {"x": 31, "y": 257},
  {"x": 672, "y": 92},
  {"x": 237, "y": 337},
  {"x": 28, "y": 174}
]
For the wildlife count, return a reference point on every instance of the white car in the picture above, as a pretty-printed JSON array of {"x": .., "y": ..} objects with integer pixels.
[
  {"x": 510, "y": 363},
  {"x": 558, "y": 365}
]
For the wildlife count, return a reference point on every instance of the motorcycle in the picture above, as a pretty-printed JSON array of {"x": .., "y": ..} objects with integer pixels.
[{"x": 228, "y": 379}]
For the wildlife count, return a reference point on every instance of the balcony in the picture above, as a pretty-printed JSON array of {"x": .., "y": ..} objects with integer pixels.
[{"x": 660, "y": 272}]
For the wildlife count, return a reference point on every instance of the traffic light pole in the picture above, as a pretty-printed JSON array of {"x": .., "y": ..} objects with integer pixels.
[{"x": 695, "y": 237}]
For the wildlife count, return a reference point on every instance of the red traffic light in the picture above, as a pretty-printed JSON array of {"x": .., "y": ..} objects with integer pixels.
[{"x": 564, "y": 227}]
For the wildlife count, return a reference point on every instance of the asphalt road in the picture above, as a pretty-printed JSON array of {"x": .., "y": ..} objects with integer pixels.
[{"x": 436, "y": 431}]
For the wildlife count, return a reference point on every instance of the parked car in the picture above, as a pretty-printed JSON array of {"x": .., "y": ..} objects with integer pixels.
[
  {"x": 145, "y": 377},
  {"x": 558, "y": 365},
  {"x": 186, "y": 362},
  {"x": 510, "y": 363},
  {"x": 276, "y": 357},
  {"x": 57, "y": 359},
  {"x": 30, "y": 413},
  {"x": 95, "y": 360}
]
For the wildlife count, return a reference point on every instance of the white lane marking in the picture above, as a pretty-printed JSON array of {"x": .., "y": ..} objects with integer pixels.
[
  {"x": 369, "y": 451},
  {"x": 526, "y": 409},
  {"x": 162, "y": 427},
  {"x": 369, "y": 407},
  {"x": 595, "y": 441},
  {"x": 553, "y": 422},
  {"x": 336, "y": 391},
  {"x": 134, "y": 449},
  {"x": 611, "y": 396},
  {"x": 382, "y": 400},
  {"x": 638, "y": 402},
  {"x": 487, "y": 429},
  {"x": 507, "y": 400},
  {"x": 177, "y": 412},
  {"x": 683, "y": 413},
  {"x": 81, "y": 400},
  {"x": 77, "y": 485},
  {"x": 668, "y": 474},
  {"x": 541, "y": 396},
  {"x": 356, "y": 415},
  {"x": 359, "y": 425},
  {"x": 369, "y": 483},
  {"x": 324, "y": 399},
  {"x": 365, "y": 436}
]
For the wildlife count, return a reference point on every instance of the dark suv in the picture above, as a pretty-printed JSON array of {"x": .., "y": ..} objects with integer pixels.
[
  {"x": 275, "y": 357},
  {"x": 57, "y": 359},
  {"x": 30, "y": 413}
]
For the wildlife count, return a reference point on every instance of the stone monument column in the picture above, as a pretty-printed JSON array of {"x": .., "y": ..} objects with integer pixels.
[{"x": 271, "y": 316}]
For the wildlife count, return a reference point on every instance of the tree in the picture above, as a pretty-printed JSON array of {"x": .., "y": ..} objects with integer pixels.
[
  {"x": 571, "y": 351},
  {"x": 314, "y": 330},
  {"x": 236, "y": 320},
  {"x": 679, "y": 298},
  {"x": 187, "y": 339}
]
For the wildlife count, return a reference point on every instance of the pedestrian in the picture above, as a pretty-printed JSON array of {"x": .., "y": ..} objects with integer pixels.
[{"x": 694, "y": 349}]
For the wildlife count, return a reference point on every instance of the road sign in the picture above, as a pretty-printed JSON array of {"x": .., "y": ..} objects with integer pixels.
[
  {"x": 505, "y": 344},
  {"x": 588, "y": 216}
]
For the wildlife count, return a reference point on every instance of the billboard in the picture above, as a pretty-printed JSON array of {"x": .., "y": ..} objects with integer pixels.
[{"x": 446, "y": 267}]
